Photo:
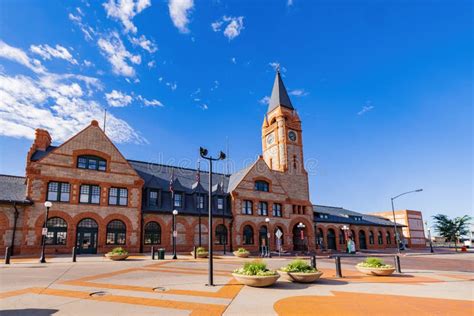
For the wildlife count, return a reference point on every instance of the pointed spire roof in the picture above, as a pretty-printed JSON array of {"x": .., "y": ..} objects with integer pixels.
[{"x": 279, "y": 95}]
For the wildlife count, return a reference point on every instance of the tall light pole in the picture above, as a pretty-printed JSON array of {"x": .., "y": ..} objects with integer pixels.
[
  {"x": 175, "y": 234},
  {"x": 203, "y": 152},
  {"x": 345, "y": 230},
  {"x": 267, "y": 220},
  {"x": 302, "y": 226},
  {"x": 397, "y": 236},
  {"x": 44, "y": 232},
  {"x": 429, "y": 236}
]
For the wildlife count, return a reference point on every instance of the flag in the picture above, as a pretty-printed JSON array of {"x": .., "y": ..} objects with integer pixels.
[
  {"x": 198, "y": 173},
  {"x": 171, "y": 182}
]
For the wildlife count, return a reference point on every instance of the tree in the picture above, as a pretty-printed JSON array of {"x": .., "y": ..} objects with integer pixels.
[{"x": 451, "y": 229}]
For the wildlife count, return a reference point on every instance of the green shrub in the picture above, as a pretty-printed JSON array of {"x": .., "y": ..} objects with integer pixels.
[
  {"x": 201, "y": 250},
  {"x": 118, "y": 251},
  {"x": 242, "y": 250},
  {"x": 298, "y": 266},
  {"x": 373, "y": 263},
  {"x": 255, "y": 268}
]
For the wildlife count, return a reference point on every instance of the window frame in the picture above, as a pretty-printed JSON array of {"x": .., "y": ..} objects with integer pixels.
[
  {"x": 277, "y": 210},
  {"x": 379, "y": 238},
  {"x": 219, "y": 235},
  {"x": 261, "y": 210},
  {"x": 56, "y": 230},
  {"x": 118, "y": 198},
  {"x": 153, "y": 235},
  {"x": 250, "y": 240},
  {"x": 116, "y": 232},
  {"x": 247, "y": 207},
  {"x": 59, "y": 192},
  {"x": 153, "y": 199},
  {"x": 175, "y": 195},
  {"x": 220, "y": 203},
  {"x": 262, "y": 186},
  {"x": 200, "y": 202},
  {"x": 89, "y": 194},
  {"x": 99, "y": 162}
]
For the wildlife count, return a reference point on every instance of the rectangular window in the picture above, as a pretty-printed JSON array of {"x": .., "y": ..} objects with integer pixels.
[
  {"x": 178, "y": 200},
  {"x": 247, "y": 207},
  {"x": 82, "y": 162},
  {"x": 102, "y": 165},
  {"x": 200, "y": 202},
  {"x": 153, "y": 198},
  {"x": 263, "y": 208},
  {"x": 220, "y": 203},
  {"x": 92, "y": 163},
  {"x": 89, "y": 194},
  {"x": 58, "y": 191},
  {"x": 277, "y": 210},
  {"x": 118, "y": 196}
]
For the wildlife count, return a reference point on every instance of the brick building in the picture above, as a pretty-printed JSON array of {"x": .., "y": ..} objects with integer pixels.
[{"x": 102, "y": 200}]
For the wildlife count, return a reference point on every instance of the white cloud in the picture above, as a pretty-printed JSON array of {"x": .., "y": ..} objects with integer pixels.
[
  {"x": 88, "y": 31},
  {"x": 47, "y": 52},
  {"x": 204, "y": 107},
  {"x": 265, "y": 100},
  {"x": 233, "y": 60},
  {"x": 113, "y": 49},
  {"x": 125, "y": 11},
  {"x": 216, "y": 85},
  {"x": 152, "y": 102},
  {"x": 298, "y": 92},
  {"x": 144, "y": 43},
  {"x": 19, "y": 56},
  {"x": 289, "y": 3},
  {"x": 151, "y": 64},
  {"x": 118, "y": 99},
  {"x": 365, "y": 109},
  {"x": 277, "y": 66},
  {"x": 172, "y": 85},
  {"x": 179, "y": 13},
  {"x": 88, "y": 63},
  {"x": 234, "y": 26}
]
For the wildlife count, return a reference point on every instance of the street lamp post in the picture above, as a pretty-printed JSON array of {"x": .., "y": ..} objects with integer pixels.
[
  {"x": 429, "y": 237},
  {"x": 345, "y": 230},
  {"x": 267, "y": 220},
  {"x": 203, "y": 152},
  {"x": 175, "y": 234},
  {"x": 47, "y": 204},
  {"x": 397, "y": 236},
  {"x": 301, "y": 226}
]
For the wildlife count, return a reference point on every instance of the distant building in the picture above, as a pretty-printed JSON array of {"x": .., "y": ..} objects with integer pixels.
[
  {"x": 413, "y": 230},
  {"x": 101, "y": 200}
]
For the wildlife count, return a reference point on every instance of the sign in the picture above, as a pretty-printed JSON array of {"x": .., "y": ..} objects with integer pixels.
[
  {"x": 175, "y": 233},
  {"x": 44, "y": 231},
  {"x": 278, "y": 233},
  {"x": 302, "y": 234}
]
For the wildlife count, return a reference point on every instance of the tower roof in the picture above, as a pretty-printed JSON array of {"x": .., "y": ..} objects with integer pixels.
[{"x": 279, "y": 95}]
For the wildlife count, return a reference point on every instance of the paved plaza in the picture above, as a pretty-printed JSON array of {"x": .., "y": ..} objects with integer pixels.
[{"x": 141, "y": 286}]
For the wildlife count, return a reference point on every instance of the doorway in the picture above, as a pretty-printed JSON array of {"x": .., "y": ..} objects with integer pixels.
[
  {"x": 362, "y": 240},
  {"x": 86, "y": 238},
  {"x": 331, "y": 239}
]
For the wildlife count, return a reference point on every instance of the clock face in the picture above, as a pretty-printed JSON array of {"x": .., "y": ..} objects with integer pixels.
[
  {"x": 270, "y": 139},
  {"x": 292, "y": 135}
]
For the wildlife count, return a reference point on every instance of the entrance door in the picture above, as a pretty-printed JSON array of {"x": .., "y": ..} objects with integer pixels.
[
  {"x": 86, "y": 239},
  {"x": 362, "y": 240},
  {"x": 331, "y": 239},
  {"x": 263, "y": 237},
  {"x": 299, "y": 236}
]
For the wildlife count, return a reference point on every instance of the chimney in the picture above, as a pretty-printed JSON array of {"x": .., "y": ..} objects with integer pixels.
[{"x": 42, "y": 139}]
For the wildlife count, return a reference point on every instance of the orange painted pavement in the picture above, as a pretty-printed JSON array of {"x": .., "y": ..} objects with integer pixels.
[
  {"x": 357, "y": 304},
  {"x": 460, "y": 276}
]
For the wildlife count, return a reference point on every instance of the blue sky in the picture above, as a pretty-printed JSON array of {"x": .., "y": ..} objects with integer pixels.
[{"x": 384, "y": 88}]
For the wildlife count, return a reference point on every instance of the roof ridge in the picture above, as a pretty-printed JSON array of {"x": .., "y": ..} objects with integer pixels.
[
  {"x": 339, "y": 207},
  {"x": 11, "y": 175},
  {"x": 177, "y": 167}
]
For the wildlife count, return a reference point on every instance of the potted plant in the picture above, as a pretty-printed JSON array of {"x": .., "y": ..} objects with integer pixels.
[
  {"x": 242, "y": 253},
  {"x": 201, "y": 252},
  {"x": 117, "y": 254},
  {"x": 299, "y": 271},
  {"x": 255, "y": 274},
  {"x": 375, "y": 266}
]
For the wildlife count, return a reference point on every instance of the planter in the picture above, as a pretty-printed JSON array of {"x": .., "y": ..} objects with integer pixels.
[
  {"x": 300, "y": 277},
  {"x": 241, "y": 254},
  {"x": 116, "y": 257},
  {"x": 256, "y": 281},
  {"x": 200, "y": 254},
  {"x": 376, "y": 271}
]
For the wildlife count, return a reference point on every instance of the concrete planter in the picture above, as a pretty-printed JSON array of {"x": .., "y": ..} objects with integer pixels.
[
  {"x": 256, "y": 281},
  {"x": 241, "y": 254},
  {"x": 376, "y": 271},
  {"x": 116, "y": 257},
  {"x": 300, "y": 277},
  {"x": 200, "y": 254}
]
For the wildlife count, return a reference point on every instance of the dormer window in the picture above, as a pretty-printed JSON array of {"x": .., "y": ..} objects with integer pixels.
[
  {"x": 91, "y": 163},
  {"x": 220, "y": 203},
  {"x": 200, "y": 202},
  {"x": 262, "y": 186},
  {"x": 178, "y": 200}
]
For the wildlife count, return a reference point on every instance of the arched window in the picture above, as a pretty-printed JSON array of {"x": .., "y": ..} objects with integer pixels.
[
  {"x": 152, "y": 233},
  {"x": 248, "y": 235},
  {"x": 371, "y": 237},
  {"x": 261, "y": 185},
  {"x": 342, "y": 237},
  {"x": 380, "y": 238},
  {"x": 320, "y": 238},
  {"x": 91, "y": 163},
  {"x": 221, "y": 234},
  {"x": 57, "y": 231},
  {"x": 116, "y": 232},
  {"x": 87, "y": 223},
  {"x": 388, "y": 238}
]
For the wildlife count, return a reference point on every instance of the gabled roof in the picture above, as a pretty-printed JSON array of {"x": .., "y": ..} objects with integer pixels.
[
  {"x": 344, "y": 216},
  {"x": 13, "y": 189},
  {"x": 238, "y": 176},
  {"x": 279, "y": 95}
]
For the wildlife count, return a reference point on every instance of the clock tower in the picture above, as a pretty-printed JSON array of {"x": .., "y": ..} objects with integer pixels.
[{"x": 282, "y": 143}]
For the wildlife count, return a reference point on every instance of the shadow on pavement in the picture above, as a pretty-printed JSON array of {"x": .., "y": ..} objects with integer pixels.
[{"x": 29, "y": 311}]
